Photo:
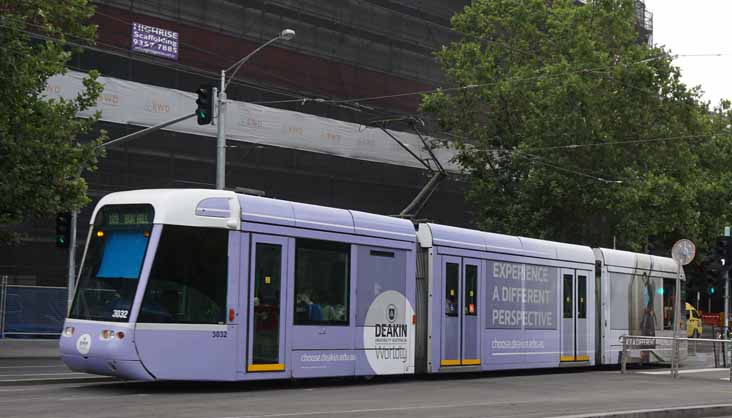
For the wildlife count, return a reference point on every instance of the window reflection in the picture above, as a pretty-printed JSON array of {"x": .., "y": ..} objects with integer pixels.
[
  {"x": 322, "y": 282},
  {"x": 188, "y": 279}
]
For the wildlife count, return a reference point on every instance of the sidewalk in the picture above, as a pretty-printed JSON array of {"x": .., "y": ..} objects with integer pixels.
[{"x": 28, "y": 348}]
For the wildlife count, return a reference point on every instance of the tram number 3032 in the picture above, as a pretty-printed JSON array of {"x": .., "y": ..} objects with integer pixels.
[{"x": 218, "y": 334}]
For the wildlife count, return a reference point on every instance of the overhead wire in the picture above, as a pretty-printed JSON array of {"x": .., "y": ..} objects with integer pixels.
[
  {"x": 457, "y": 88},
  {"x": 635, "y": 141},
  {"x": 589, "y": 175},
  {"x": 359, "y": 107},
  {"x": 353, "y": 101}
]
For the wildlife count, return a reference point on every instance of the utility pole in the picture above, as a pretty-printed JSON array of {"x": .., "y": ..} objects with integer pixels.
[
  {"x": 725, "y": 277},
  {"x": 682, "y": 252},
  {"x": 72, "y": 258},
  {"x": 698, "y": 297},
  {"x": 286, "y": 35}
]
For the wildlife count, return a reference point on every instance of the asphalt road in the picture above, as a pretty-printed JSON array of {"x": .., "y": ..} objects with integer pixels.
[
  {"x": 16, "y": 371},
  {"x": 490, "y": 395}
]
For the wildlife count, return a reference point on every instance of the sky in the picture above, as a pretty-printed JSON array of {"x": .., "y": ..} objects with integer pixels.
[{"x": 692, "y": 27}]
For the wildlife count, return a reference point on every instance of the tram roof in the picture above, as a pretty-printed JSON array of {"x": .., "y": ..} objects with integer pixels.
[
  {"x": 635, "y": 263},
  {"x": 303, "y": 215},
  {"x": 219, "y": 209},
  {"x": 182, "y": 206},
  {"x": 449, "y": 236}
]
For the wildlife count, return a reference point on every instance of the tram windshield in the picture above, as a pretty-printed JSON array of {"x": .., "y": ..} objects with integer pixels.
[{"x": 113, "y": 263}]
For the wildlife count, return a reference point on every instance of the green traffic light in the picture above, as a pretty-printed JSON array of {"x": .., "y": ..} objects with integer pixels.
[{"x": 712, "y": 290}]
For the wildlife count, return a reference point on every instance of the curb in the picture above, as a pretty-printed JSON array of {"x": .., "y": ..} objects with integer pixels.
[
  {"x": 60, "y": 380},
  {"x": 719, "y": 410},
  {"x": 6, "y": 357}
]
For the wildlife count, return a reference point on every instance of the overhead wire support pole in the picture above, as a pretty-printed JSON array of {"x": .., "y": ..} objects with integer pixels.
[{"x": 221, "y": 134}]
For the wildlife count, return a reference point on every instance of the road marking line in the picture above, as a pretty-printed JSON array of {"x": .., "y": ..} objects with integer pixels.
[
  {"x": 86, "y": 398},
  {"x": 43, "y": 374},
  {"x": 6, "y": 401},
  {"x": 720, "y": 369},
  {"x": 34, "y": 367},
  {"x": 50, "y": 379},
  {"x": 360, "y": 411},
  {"x": 69, "y": 399}
]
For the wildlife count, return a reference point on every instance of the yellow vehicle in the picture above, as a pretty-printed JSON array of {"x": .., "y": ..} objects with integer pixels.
[{"x": 693, "y": 322}]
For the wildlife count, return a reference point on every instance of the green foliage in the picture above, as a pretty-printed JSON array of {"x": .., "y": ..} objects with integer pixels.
[
  {"x": 549, "y": 86},
  {"x": 41, "y": 155}
]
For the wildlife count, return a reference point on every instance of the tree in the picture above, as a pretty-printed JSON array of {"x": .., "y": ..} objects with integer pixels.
[
  {"x": 41, "y": 154},
  {"x": 571, "y": 128}
]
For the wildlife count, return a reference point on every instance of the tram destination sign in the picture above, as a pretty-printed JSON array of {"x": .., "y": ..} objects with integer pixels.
[{"x": 154, "y": 41}]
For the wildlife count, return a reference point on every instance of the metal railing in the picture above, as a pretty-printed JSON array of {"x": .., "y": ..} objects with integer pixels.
[
  {"x": 720, "y": 348},
  {"x": 31, "y": 311}
]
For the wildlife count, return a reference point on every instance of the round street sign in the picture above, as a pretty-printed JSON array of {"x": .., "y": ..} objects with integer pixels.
[{"x": 683, "y": 251}]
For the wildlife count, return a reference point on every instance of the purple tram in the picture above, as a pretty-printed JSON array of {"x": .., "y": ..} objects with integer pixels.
[{"x": 211, "y": 285}]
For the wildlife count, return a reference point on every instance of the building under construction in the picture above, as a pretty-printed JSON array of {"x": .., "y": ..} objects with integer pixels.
[{"x": 297, "y": 128}]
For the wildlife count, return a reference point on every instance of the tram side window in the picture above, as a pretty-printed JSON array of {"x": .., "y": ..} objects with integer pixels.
[
  {"x": 322, "y": 282},
  {"x": 452, "y": 277},
  {"x": 568, "y": 296},
  {"x": 188, "y": 279},
  {"x": 582, "y": 297},
  {"x": 471, "y": 290}
]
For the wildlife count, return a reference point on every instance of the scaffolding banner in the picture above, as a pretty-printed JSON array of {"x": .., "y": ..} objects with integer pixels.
[{"x": 128, "y": 102}]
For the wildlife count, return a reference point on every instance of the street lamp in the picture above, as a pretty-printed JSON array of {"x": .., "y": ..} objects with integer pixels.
[{"x": 286, "y": 35}]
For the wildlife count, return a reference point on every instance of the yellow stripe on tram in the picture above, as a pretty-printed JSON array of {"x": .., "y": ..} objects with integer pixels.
[
  {"x": 471, "y": 362},
  {"x": 278, "y": 367},
  {"x": 574, "y": 358},
  {"x": 449, "y": 362}
]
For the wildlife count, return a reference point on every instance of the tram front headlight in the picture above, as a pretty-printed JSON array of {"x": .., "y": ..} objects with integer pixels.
[{"x": 68, "y": 331}]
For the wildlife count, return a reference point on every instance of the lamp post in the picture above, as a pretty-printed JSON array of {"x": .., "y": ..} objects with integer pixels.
[{"x": 286, "y": 35}]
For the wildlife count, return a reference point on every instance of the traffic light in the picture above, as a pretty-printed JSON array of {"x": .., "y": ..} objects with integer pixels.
[
  {"x": 63, "y": 229},
  {"x": 712, "y": 290},
  {"x": 205, "y": 102},
  {"x": 723, "y": 250}
]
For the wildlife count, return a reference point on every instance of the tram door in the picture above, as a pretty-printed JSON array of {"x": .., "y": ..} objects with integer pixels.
[
  {"x": 574, "y": 316},
  {"x": 460, "y": 324},
  {"x": 267, "y": 286}
]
